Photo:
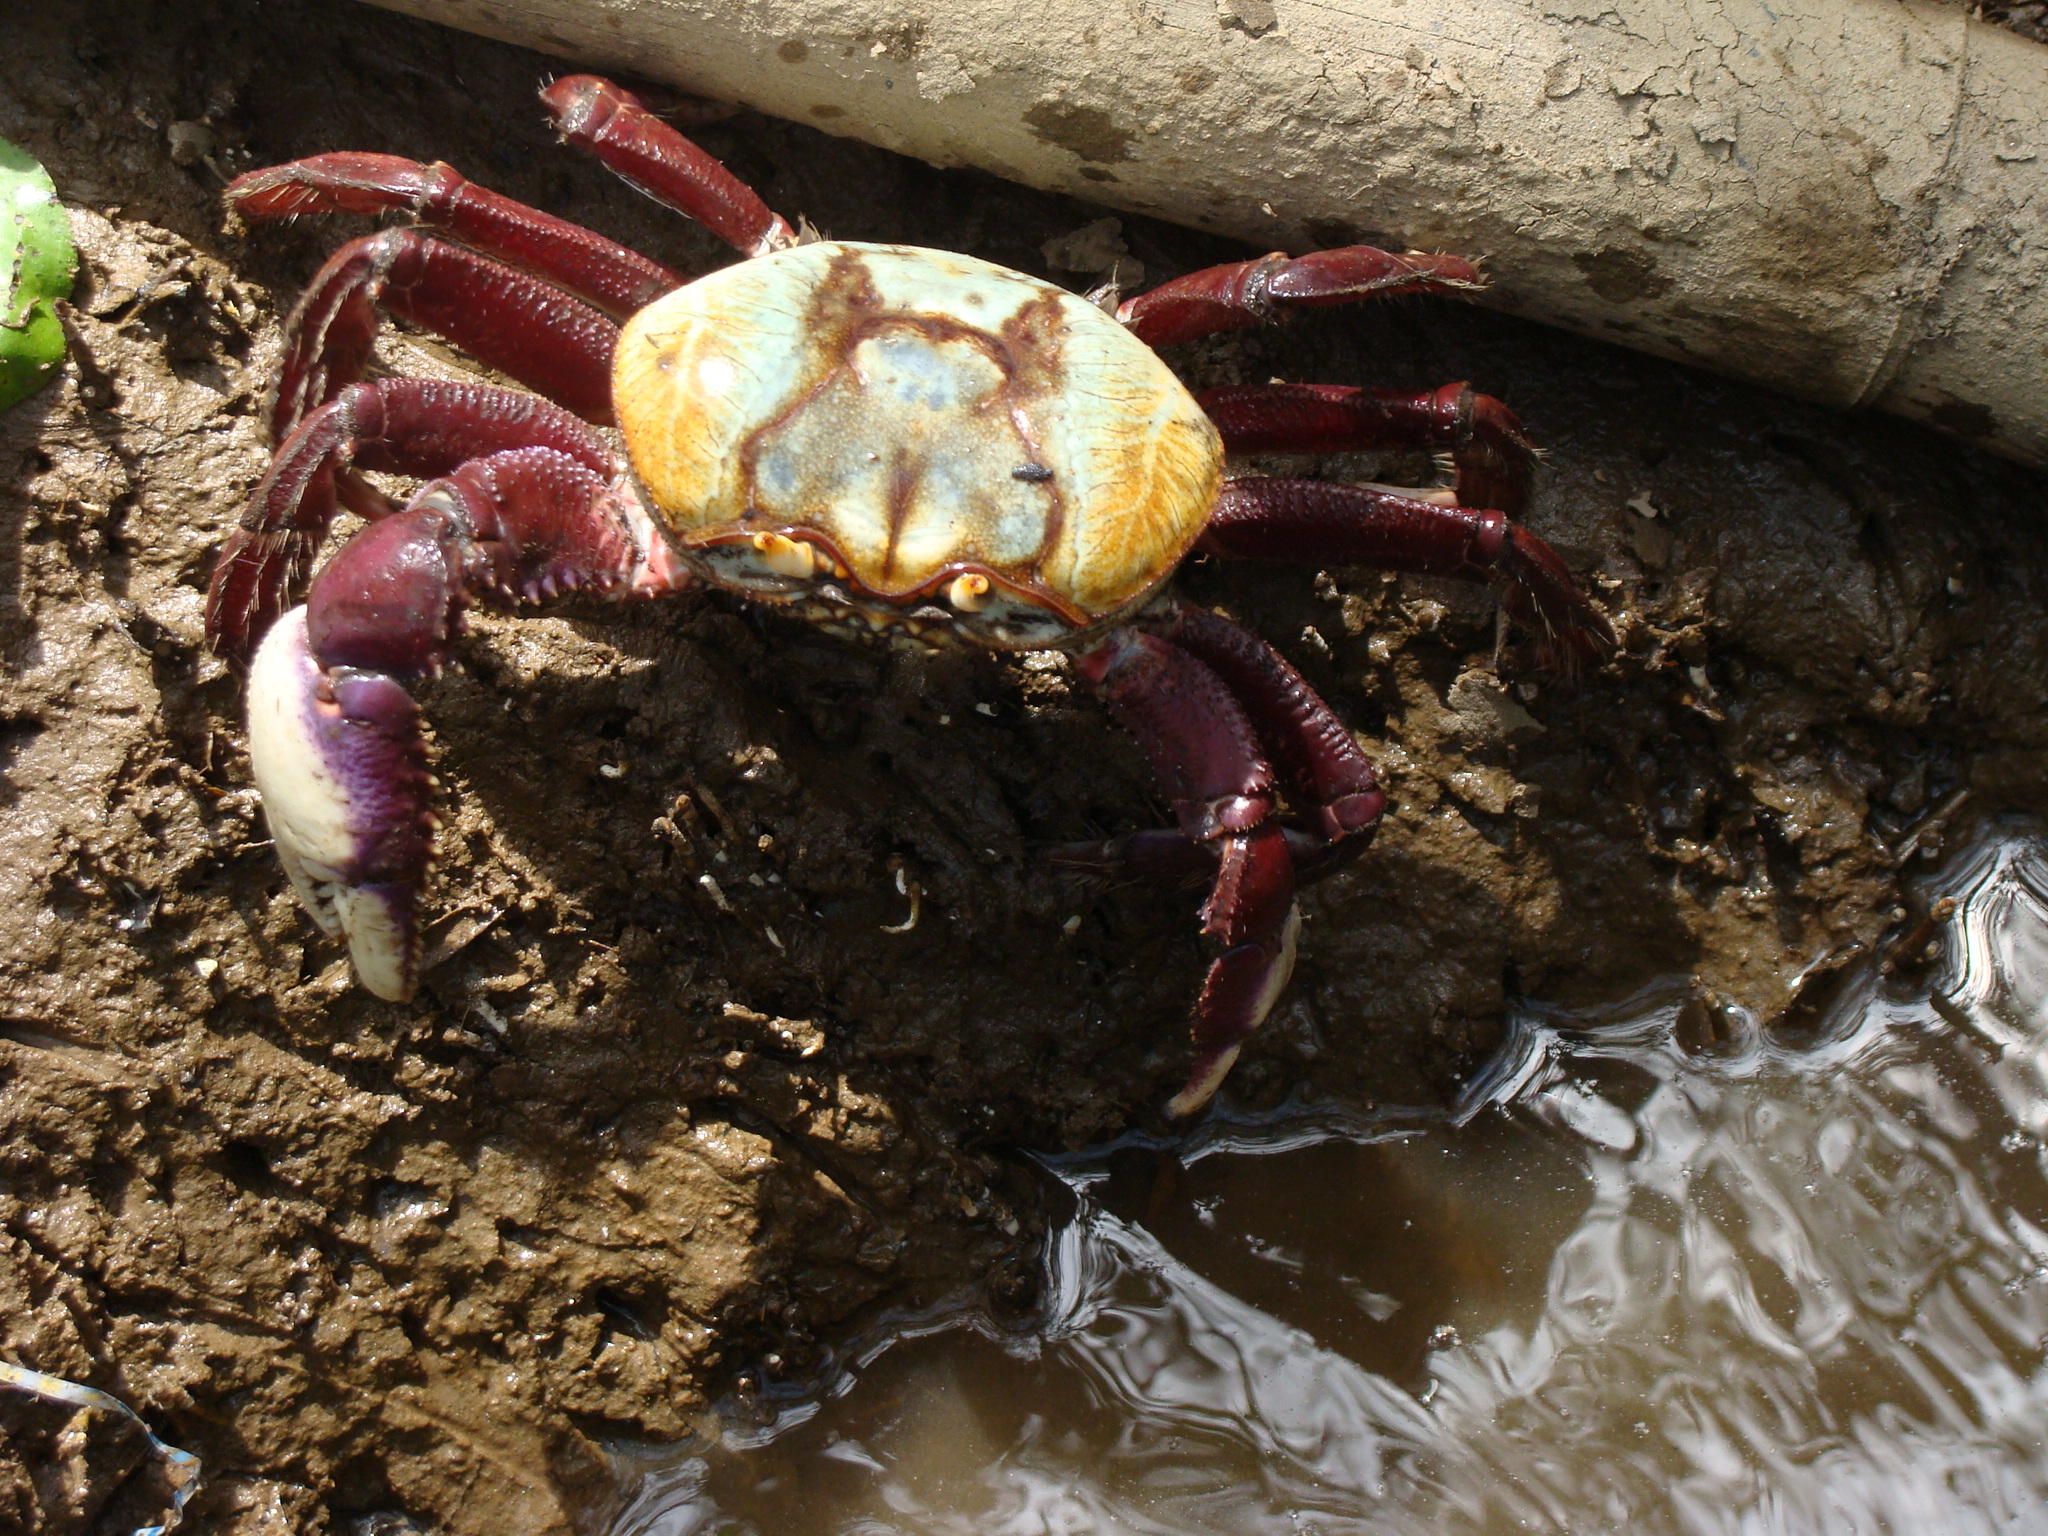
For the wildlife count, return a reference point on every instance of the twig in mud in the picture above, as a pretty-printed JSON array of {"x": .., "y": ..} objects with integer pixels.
[{"x": 1930, "y": 826}]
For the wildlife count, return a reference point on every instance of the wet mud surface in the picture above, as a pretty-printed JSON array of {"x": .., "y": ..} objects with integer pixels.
[{"x": 677, "y": 1102}]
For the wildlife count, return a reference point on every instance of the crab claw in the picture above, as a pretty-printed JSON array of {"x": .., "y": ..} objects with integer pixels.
[{"x": 341, "y": 764}]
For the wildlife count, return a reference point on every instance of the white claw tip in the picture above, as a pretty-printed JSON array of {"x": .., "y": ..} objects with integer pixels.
[
  {"x": 318, "y": 820},
  {"x": 1201, "y": 1090},
  {"x": 379, "y": 944}
]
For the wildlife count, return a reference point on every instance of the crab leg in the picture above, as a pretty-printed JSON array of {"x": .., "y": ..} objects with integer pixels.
[
  {"x": 505, "y": 319},
  {"x": 419, "y": 427},
  {"x": 1167, "y": 853},
  {"x": 613, "y": 124},
  {"x": 1206, "y": 755},
  {"x": 334, "y": 738},
  {"x": 1261, "y": 518},
  {"x": 1248, "y": 293},
  {"x": 613, "y": 277},
  {"x": 1314, "y": 754},
  {"x": 1483, "y": 437}
]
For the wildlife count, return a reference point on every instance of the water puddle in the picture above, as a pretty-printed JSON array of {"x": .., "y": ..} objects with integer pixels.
[{"x": 1629, "y": 1287}]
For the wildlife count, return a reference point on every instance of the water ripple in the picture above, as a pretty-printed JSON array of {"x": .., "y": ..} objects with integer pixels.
[{"x": 1623, "y": 1287}]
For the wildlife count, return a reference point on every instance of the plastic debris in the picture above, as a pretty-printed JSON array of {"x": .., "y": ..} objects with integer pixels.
[{"x": 183, "y": 1466}]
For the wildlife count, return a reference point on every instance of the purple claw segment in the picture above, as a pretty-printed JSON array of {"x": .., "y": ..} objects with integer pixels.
[
  {"x": 1206, "y": 753},
  {"x": 1238, "y": 993},
  {"x": 518, "y": 526},
  {"x": 418, "y": 427},
  {"x": 390, "y": 600},
  {"x": 1253, "y": 891},
  {"x": 340, "y": 762},
  {"x": 334, "y": 738}
]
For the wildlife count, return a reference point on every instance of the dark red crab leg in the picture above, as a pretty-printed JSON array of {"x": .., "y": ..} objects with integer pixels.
[
  {"x": 418, "y": 427},
  {"x": 613, "y": 124},
  {"x": 614, "y": 278},
  {"x": 334, "y": 737},
  {"x": 1321, "y": 765},
  {"x": 1483, "y": 437},
  {"x": 1206, "y": 754},
  {"x": 1322, "y": 522},
  {"x": 1247, "y": 293},
  {"x": 1166, "y": 853},
  {"x": 1315, "y": 754},
  {"x": 505, "y": 319}
]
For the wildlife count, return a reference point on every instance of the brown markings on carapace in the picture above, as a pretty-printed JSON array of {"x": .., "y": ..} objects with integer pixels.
[
  {"x": 838, "y": 306},
  {"x": 845, "y": 310},
  {"x": 1033, "y": 335},
  {"x": 903, "y": 481}
]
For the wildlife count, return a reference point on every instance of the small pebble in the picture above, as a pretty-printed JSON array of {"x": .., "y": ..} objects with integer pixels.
[{"x": 190, "y": 142}]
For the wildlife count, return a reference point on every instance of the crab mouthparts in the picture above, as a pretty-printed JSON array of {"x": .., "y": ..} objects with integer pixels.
[{"x": 796, "y": 569}]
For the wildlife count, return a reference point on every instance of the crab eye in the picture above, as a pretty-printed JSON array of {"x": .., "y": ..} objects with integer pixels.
[
  {"x": 968, "y": 593},
  {"x": 786, "y": 557}
]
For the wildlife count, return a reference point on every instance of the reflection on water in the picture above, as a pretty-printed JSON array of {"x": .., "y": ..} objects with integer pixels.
[{"x": 1637, "y": 1289}]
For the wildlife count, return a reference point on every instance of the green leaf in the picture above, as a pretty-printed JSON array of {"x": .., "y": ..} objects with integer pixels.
[{"x": 36, "y": 267}]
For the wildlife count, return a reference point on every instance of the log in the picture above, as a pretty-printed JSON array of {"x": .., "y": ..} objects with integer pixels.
[{"x": 1843, "y": 199}]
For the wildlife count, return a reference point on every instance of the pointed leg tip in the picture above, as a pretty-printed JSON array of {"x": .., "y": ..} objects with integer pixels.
[
  {"x": 1203, "y": 1082},
  {"x": 1543, "y": 595},
  {"x": 1242, "y": 986}
]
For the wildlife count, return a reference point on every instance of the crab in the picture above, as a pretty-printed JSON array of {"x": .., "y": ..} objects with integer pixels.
[{"x": 894, "y": 443}]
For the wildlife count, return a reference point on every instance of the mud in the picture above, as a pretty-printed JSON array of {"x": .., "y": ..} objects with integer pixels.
[{"x": 677, "y": 1104}]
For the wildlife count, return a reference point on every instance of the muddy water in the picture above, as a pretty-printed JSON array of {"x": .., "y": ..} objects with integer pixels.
[{"x": 1628, "y": 1285}]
